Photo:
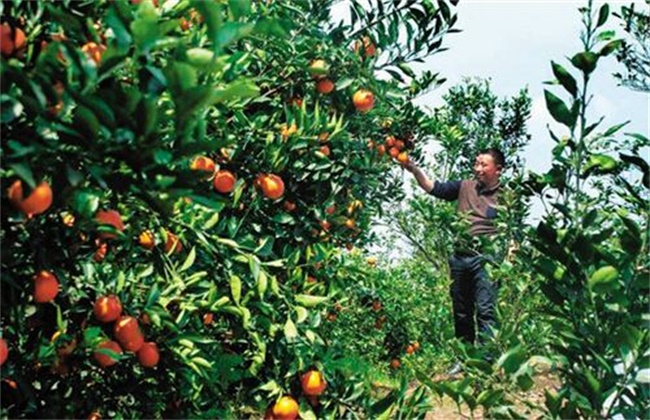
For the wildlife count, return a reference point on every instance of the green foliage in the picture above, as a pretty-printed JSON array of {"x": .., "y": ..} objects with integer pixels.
[
  {"x": 633, "y": 53},
  {"x": 591, "y": 253},
  {"x": 110, "y": 103}
]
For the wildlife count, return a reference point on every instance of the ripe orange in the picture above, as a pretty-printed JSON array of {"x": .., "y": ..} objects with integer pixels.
[
  {"x": 325, "y": 149},
  {"x": 371, "y": 260},
  {"x": 288, "y": 130},
  {"x": 111, "y": 218},
  {"x": 416, "y": 345},
  {"x": 289, "y": 206},
  {"x": 376, "y": 305},
  {"x": 325, "y": 86},
  {"x": 101, "y": 251},
  {"x": 325, "y": 225},
  {"x": 105, "y": 360},
  {"x": 381, "y": 150},
  {"x": 390, "y": 141},
  {"x": 4, "y": 351},
  {"x": 94, "y": 416},
  {"x": 395, "y": 363},
  {"x": 173, "y": 244},
  {"x": 127, "y": 331},
  {"x": 94, "y": 51},
  {"x": 148, "y": 355},
  {"x": 331, "y": 317},
  {"x": 146, "y": 240},
  {"x": 204, "y": 164},
  {"x": 36, "y": 203},
  {"x": 107, "y": 308},
  {"x": 208, "y": 318},
  {"x": 349, "y": 223},
  {"x": 393, "y": 152},
  {"x": 331, "y": 209},
  {"x": 313, "y": 383},
  {"x": 272, "y": 186},
  {"x": 399, "y": 144},
  {"x": 403, "y": 157},
  {"x": 363, "y": 100},
  {"x": 11, "y": 40},
  {"x": 368, "y": 47},
  {"x": 318, "y": 69},
  {"x": 410, "y": 349},
  {"x": 46, "y": 286},
  {"x": 286, "y": 408},
  {"x": 324, "y": 136},
  {"x": 224, "y": 181}
]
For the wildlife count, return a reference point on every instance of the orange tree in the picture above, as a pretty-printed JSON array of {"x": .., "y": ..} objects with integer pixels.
[{"x": 178, "y": 180}]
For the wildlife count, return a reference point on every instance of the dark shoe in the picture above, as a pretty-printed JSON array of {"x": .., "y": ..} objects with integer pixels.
[{"x": 455, "y": 369}]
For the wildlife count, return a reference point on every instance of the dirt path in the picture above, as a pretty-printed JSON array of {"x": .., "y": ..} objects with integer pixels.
[{"x": 446, "y": 409}]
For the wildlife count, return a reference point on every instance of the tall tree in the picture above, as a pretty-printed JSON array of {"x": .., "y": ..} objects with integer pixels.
[{"x": 635, "y": 52}]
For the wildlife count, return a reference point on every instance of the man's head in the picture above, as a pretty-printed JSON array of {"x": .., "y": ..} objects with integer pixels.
[{"x": 488, "y": 166}]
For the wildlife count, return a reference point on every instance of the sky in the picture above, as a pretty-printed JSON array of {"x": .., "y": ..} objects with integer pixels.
[{"x": 512, "y": 43}]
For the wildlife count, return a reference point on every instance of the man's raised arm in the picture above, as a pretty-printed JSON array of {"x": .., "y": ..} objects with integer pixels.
[{"x": 420, "y": 176}]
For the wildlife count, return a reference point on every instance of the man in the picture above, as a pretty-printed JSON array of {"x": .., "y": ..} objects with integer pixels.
[{"x": 471, "y": 291}]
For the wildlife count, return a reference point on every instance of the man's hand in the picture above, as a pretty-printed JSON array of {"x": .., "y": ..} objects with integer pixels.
[{"x": 410, "y": 166}]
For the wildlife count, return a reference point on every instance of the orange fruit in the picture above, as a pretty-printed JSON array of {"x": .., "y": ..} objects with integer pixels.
[
  {"x": 395, "y": 363},
  {"x": 371, "y": 260},
  {"x": 111, "y": 218},
  {"x": 46, "y": 286},
  {"x": 148, "y": 355},
  {"x": 325, "y": 225},
  {"x": 173, "y": 244},
  {"x": 393, "y": 152},
  {"x": 399, "y": 144},
  {"x": 363, "y": 100},
  {"x": 416, "y": 345},
  {"x": 381, "y": 150},
  {"x": 94, "y": 416},
  {"x": 331, "y": 209},
  {"x": 313, "y": 383},
  {"x": 107, "y": 308},
  {"x": 208, "y": 318},
  {"x": 331, "y": 317},
  {"x": 402, "y": 157},
  {"x": 368, "y": 47},
  {"x": 324, "y": 136},
  {"x": 376, "y": 305},
  {"x": 286, "y": 408},
  {"x": 94, "y": 51},
  {"x": 4, "y": 351},
  {"x": 224, "y": 181},
  {"x": 325, "y": 149},
  {"x": 101, "y": 251},
  {"x": 36, "y": 203},
  {"x": 289, "y": 206},
  {"x": 146, "y": 240},
  {"x": 349, "y": 223},
  {"x": 127, "y": 331},
  {"x": 324, "y": 86},
  {"x": 410, "y": 349},
  {"x": 204, "y": 164},
  {"x": 288, "y": 130},
  {"x": 105, "y": 360},
  {"x": 272, "y": 186},
  {"x": 11, "y": 40},
  {"x": 390, "y": 141},
  {"x": 318, "y": 69}
]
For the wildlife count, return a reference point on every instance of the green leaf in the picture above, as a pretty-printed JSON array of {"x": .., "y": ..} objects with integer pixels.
[
  {"x": 235, "y": 288},
  {"x": 205, "y": 59},
  {"x": 603, "y": 13},
  {"x": 302, "y": 314},
  {"x": 512, "y": 360},
  {"x": 239, "y": 8},
  {"x": 610, "y": 47},
  {"x": 189, "y": 260},
  {"x": 603, "y": 279},
  {"x": 585, "y": 61},
  {"x": 25, "y": 172},
  {"x": 600, "y": 163},
  {"x": 262, "y": 283},
  {"x": 565, "y": 79},
  {"x": 145, "y": 27},
  {"x": 85, "y": 202},
  {"x": 233, "y": 31},
  {"x": 559, "y": 111},
  {"x": 290, "y": 330},
  {"x": 239, "y": 89},
  {"x": 310, "y": 301},
  {"x": 641, "y": 164}
]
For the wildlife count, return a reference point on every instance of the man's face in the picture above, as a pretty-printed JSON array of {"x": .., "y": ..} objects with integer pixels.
[{"x": 486, "y": 171}]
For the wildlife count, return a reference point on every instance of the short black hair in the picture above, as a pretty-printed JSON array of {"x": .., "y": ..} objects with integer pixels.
[{"x": 497, "y": 155}]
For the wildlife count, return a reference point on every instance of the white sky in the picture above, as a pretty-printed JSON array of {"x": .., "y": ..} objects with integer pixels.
[{"x": 512, "y": 43}]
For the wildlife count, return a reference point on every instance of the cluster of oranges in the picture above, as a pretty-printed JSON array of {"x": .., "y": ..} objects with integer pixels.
[
  {"x": 127, "y": 332},
  {"x": 362, "y": 99},
  {"x": 394, "y": 147},
  {"x": 286, "y": 407}
]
